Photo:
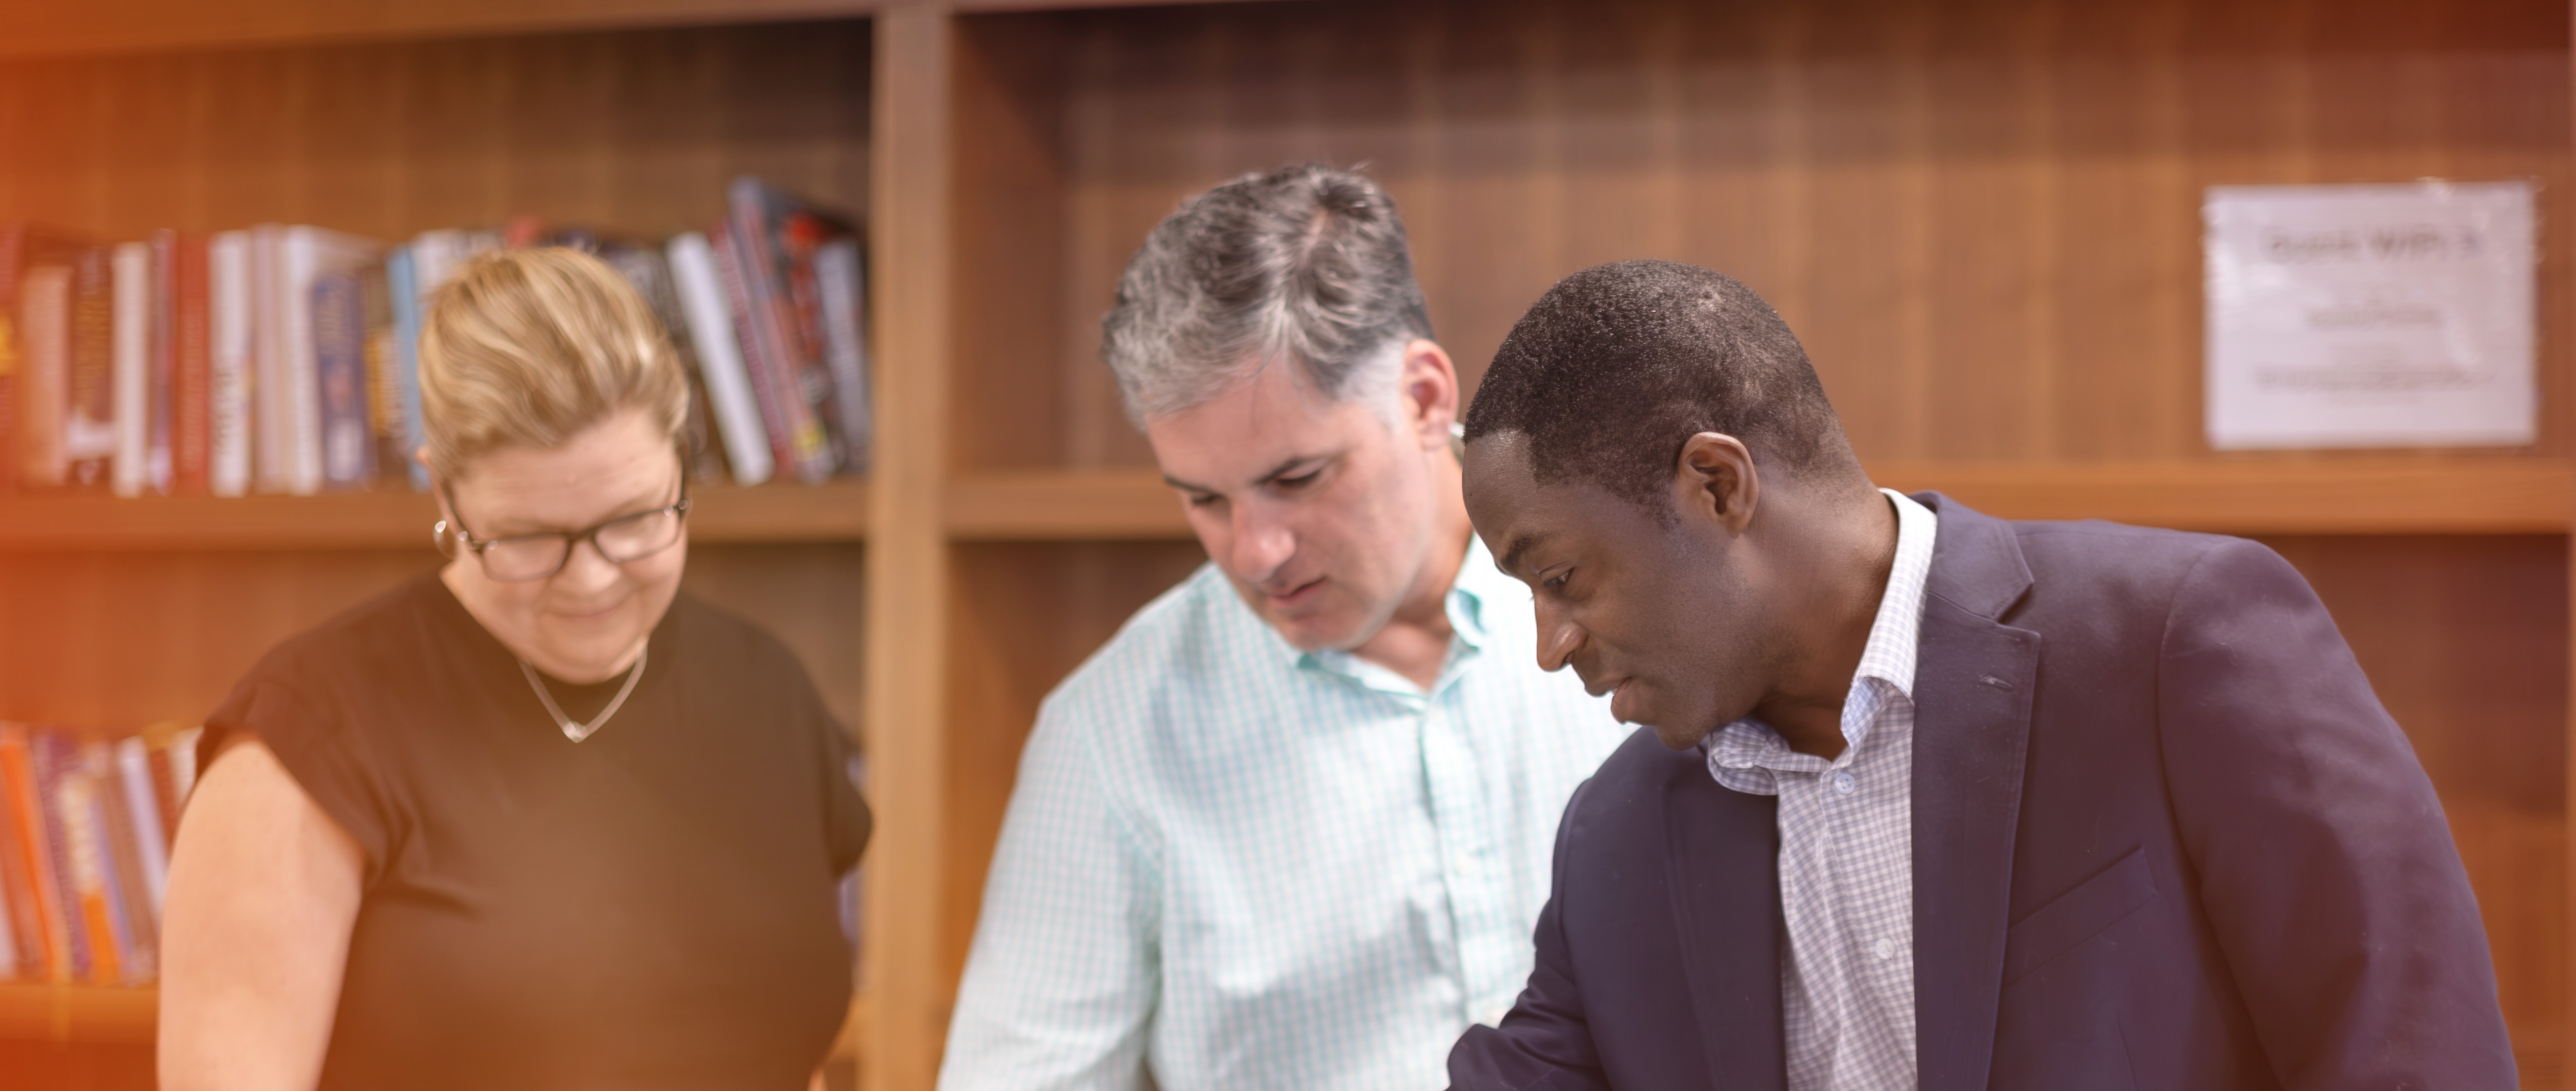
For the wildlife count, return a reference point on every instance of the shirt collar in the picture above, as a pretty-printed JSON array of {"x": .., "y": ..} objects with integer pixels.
[
  {"x": 1739, "y": 751},
  {"x": 1479, "y": 587}
]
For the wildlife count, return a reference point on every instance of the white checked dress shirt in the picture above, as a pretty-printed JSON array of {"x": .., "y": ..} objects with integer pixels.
[
  {"x": 1253, "y": 867},
  {"x": 1847, "y": 849}
]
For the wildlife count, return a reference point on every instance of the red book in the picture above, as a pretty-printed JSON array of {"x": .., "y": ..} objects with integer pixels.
[
  {"x": 192, "y": 374},
  {"x": 28, "y": 811}
]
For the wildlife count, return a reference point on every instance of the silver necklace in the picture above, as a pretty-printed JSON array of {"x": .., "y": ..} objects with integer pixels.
[{"x": 579, "y": 731}]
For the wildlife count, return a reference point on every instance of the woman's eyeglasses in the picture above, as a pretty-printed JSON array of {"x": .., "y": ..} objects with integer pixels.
[{"x": 523, "y": 557}]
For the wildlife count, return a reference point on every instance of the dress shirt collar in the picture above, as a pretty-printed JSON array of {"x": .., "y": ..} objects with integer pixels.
[
  {"x": 1479, "y": 589},
  {"x": 1745, "y": 754}
]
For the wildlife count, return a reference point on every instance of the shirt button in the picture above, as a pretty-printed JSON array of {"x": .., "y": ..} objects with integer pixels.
[
  {"x": 1843, "y": 783},
  {"x": 1884, "y": 950}
]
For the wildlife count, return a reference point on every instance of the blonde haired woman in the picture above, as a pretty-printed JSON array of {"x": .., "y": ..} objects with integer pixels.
[{"x": 539, "y": 820}]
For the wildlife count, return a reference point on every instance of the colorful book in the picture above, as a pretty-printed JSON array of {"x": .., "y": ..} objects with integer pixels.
[
  {"x": 191, "y": 347},
  {"x": 23, "y": 248},
  {"x": 34, "y": 849},
  {"x": 778, "y": 355},
  {"x": 18, "y": 907},
  {"x": 93, "y": 881},
  {"x": 340, "y": 370},
  {"x": 54, "y": 762},
  {"x": 402, "y": 288},
  {"x": 384, "y": 374},
  {"x": 140, "y": 792},
  {"x": 304, "y": 255},
  {"x": 841, "y": 283},
  {"x": 89, "y": 426},
  {"x": 162, "y": 350},
  {"x": 696, "y": 277},
  {"x": 757, "y": 354},
  {"x": 44, "y": 375},
  {"x": 131, "y": 348},
  {"x": 231, "y": 356}
]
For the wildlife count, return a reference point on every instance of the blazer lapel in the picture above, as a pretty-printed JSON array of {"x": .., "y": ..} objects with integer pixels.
[
  {"x": 1973, "y": 682},
  {"x": 1722, "y": 860}
]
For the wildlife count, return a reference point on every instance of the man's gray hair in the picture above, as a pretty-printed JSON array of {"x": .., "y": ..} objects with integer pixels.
[{"x": 1303, "y": 263}]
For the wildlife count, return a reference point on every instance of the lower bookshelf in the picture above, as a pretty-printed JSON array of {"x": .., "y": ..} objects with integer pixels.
[{"x": 128, "y": 1016}]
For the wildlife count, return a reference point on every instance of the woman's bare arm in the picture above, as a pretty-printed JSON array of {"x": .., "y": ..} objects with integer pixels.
[{"x": 264, "y": 888}]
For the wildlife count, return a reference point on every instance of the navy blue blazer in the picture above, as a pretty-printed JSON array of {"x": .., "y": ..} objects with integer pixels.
[{"x": 2164, "y": 837}]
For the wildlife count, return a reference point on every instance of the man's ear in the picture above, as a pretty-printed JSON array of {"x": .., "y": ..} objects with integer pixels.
[
  {"x": 1714, "y": 481},
  {"x": 1429, "y": 389}
]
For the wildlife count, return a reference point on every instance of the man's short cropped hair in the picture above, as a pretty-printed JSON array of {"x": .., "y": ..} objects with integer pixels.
[
  {"x": 1303, "y": 263},
  {"x": 1617, "y": 366}
]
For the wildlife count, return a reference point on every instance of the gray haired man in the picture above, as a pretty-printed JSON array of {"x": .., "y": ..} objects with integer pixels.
[{"x": 1291, "y": 827}]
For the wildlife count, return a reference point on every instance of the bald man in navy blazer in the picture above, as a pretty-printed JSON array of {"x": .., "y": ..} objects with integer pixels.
[{"x": 1927, "y": 798}]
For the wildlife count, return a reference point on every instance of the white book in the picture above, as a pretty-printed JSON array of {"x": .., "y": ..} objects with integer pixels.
[
  {"x": 228, "y": 409},
  {"x": 269, "y": 435},
  {"x": 130, "y": 356},
  {"x": 143, "y": 810},
  {"x": 304, "y": 255},
  {"x": 693, "y": 273}
]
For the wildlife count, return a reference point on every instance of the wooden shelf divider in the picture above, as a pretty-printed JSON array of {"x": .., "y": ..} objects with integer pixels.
[
  {"x": 2362, "y": 495},
  {"x": 833, "y": 511},
  {"x": 42, "y": 1012}
]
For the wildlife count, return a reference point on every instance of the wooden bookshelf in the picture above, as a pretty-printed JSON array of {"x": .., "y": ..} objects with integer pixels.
[{"x": 1981, "y": 218}]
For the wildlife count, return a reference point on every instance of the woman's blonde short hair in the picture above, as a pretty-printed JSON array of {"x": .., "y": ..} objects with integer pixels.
[{"x": 526, "y": 348}]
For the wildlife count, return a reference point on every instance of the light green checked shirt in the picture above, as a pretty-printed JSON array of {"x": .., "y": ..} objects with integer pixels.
[{"x": 1247, "y": 866}]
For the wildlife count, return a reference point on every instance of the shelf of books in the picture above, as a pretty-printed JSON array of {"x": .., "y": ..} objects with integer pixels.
[{"x": 260, "y": 388}]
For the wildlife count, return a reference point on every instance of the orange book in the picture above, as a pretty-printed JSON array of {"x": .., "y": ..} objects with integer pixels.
[
  {"x": 76, "y": 803},
  {"x": 27, "y": 814}
]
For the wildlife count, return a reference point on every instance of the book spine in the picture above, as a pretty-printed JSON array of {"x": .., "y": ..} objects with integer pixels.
[
  {"x": 695, "y": 279},
  {"x": 191, "y": 452},
  {"x": 758, "y": 363},
  {"x": 53, "y": 763},
  {"x": 13, "y": 266},
  {"x": 799, "y": 312},
  {"x": 17, "y": 895},
  {"x": 807, "y": 449},
  {"x": 165, "y": 792},
  {"x": 841, "y": 283},
  {"x": 34, "y": 850},
  {"x": 44, "y": 392},
  {"x": 136, "y": 924},
  {"x": 131, "y": 341},
  {"x": 89, "y": 435},
  {"x": 230, "y": 358},
  {"x": 300, "y": 261},
  {"x": 269, "y": 382},
  {"x": 164, "y": 357},
  {"x": 141, "y": 792},
  {"x": 386, "y": 453},
  {"x": 85, "y": 852},
  {"x": 340, "y": 373},
  {"x": 404, "y": 292}
]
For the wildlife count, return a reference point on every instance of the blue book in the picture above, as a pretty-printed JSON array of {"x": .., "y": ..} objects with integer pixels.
[
  {"x": 402, "y": 281},
  {"x": 340, "y": 370}
]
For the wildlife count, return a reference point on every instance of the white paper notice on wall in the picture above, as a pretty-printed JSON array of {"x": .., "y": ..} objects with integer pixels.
[{"x": 2370, "y": 315}]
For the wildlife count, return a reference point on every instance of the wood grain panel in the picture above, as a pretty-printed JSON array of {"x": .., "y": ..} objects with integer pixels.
[
  {"x": 114, "y": 641},
  {"x": 633, "y": 131},
  {"x": 1982, "y": 217},
  {"x": 2465, "y": 641}
]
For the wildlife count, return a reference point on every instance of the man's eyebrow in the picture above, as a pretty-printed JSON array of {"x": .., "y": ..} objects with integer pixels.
[
  {"x": 1273, "y": 474},
  {"x": 1510, "y": 561}
]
